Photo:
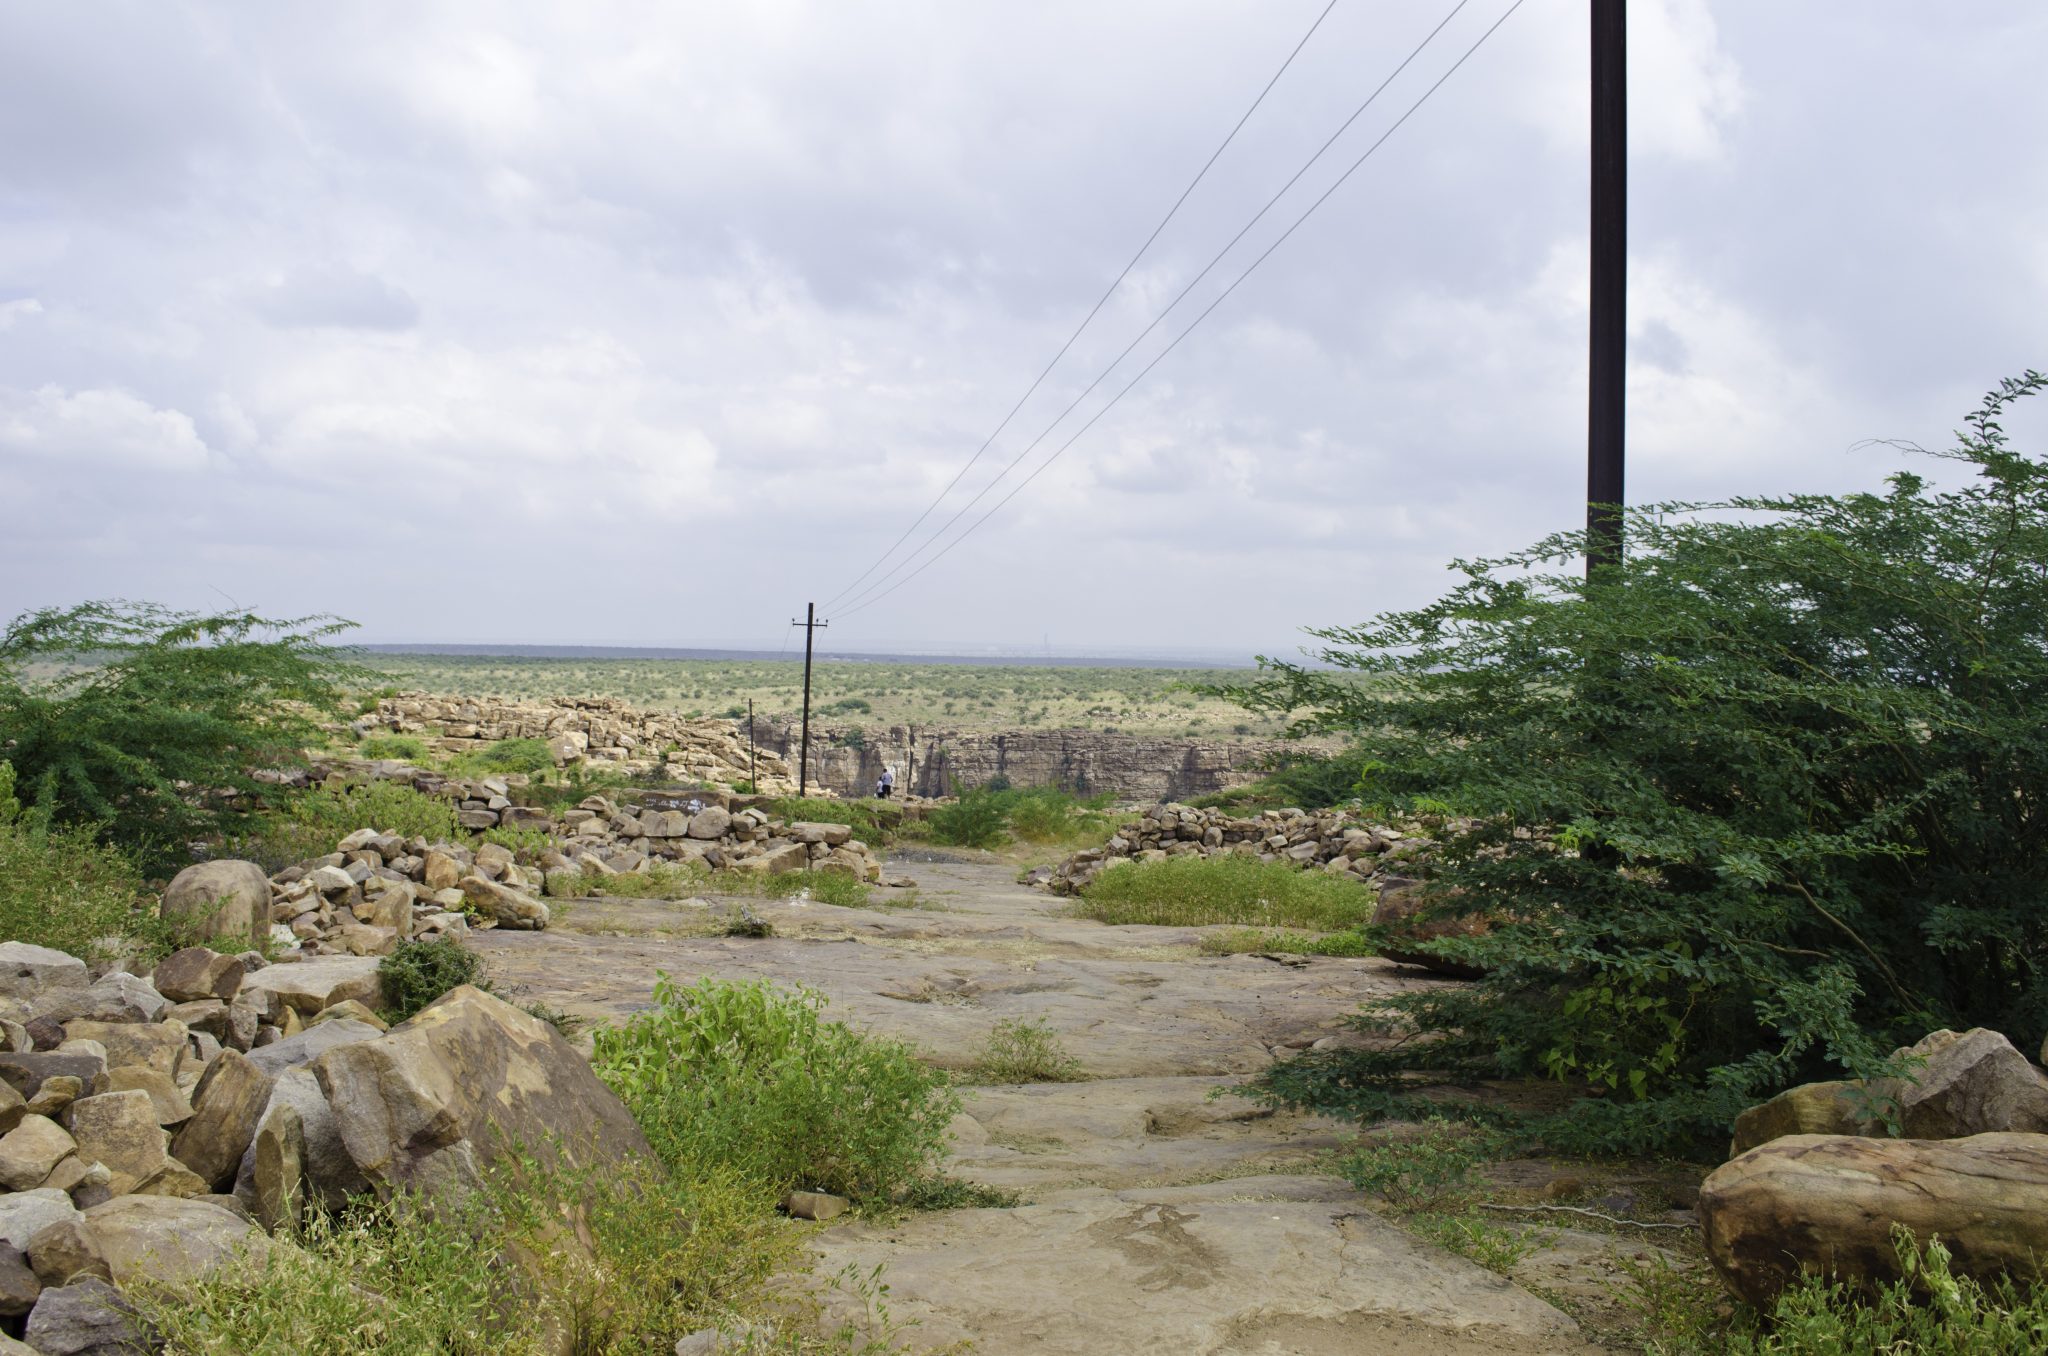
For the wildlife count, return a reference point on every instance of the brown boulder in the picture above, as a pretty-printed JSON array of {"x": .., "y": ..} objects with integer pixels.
[
  {"x": 30, "y": 1150},
  {"x": 167, "y": 1240},
  {"x": 1820, "y": 1205},
  {"x": 468, "y": 1079},
  {"x": 1809, "y": 1109},
  {"x": 120, "y": 1129},
  {"x": 229, "y": 1101},
  {"x": 510, "y": 907},
  {"x": 197, "y": 973},
  {"x": 228, "y": 900},
  {"x": 1972, "y": 1083}
]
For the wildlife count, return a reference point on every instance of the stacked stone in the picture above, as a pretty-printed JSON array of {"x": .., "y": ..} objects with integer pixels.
[
  {"x": 152, "y": 1128},
  {"x": 377, "y": 890},
  {"x": 605, "y": 837},
  {"x": 1326, "y": 840},
  {"x": 595, "y": 730}
]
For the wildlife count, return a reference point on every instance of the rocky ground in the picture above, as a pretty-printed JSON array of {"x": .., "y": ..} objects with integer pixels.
[{"x": 1156, "y": 1217}]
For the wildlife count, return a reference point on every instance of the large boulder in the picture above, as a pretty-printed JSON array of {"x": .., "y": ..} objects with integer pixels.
[
  {"x": 310, "y": 986},
  {"x": 167, "y": 1240},
  {"x": 231, "y": 1098},
  {"x": 1839, "y": 1108},
  {"x": 228, "y": 900},
  {"x": 85, "y": 1318},
  {"x": 28, "y": 971},
  {"x": 30, "y": 1150},
  {"x": 1972, "y": 1083},
  {"x": 24, "y": 1214},
  {"x": 512, "y": 908},
  {"x": 1821, "y": 1205},
  {"x": 120, "y": 1129},
  {"x": 197, "y": 973},
  {"x": 470, "y": 1078}
]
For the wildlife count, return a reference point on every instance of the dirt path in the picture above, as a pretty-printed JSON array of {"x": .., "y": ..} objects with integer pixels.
[{"x": 1157, "y": 1219}]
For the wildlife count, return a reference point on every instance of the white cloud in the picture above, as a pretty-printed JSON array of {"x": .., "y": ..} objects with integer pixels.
[
  {"x": 22, "y": 308},
  {"x": 99, "y": 428}
]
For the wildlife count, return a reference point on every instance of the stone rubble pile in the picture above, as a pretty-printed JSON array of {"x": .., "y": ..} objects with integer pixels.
[
  {"x": 596, "y": 730},
  {"x": 1815, "y": 1185},
  {"x": 152, "y": 1127},
  {"x": 1326, "y": 840},
  {"x": 377, "y": 889}
]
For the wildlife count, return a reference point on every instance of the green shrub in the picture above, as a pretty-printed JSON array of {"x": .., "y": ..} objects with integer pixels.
[
  {"x": 526, "y": 756},
  {"x": 1433, "y": 1166},
  {"x": 61, "y": 887},
  {"x": 1025, "y": 1051},
  {"x": 151, "y": 725},
  {"x": 1763, "y": 800},
  {"x": 418, "y": 972},
  {"x": 977, "y": 819},
  {"x": 310, "y": 823},
  {"x": 1046, "y": 814},
  {"x": 528, "y": 845},
  {"x": 1930, "y": 1310},
  {"x": 751, "y": 1076},
  {"x": 1193, "y": 891},
  {"x": 407, "y": 748}
]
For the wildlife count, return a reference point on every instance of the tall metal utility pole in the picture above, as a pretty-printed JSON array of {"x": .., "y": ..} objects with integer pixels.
[
  {"x": 1608, "y": 328},
  {"x": 810, "y": 623}
]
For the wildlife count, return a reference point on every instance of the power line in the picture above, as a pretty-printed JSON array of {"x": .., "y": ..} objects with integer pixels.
[
  {"x": 1180, "y": 296},
  {"x": 1160, "y": 356},
  {"x": 1094, "y": 310}
]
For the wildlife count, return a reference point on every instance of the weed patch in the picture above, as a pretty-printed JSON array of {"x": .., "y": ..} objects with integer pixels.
[
  {"x": 1242, "y": 941},
  {"x": 1199, "y": 891},
  {"x": 753, "y": 1076},
  {"x": 310, "y": 823},
  {"x": 1020, "y": 1051},
  {"x": 61, "y": 887},
  {"x": 402, "y": 748}
]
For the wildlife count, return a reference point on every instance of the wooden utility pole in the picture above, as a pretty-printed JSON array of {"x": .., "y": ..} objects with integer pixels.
[
  {"x": 810, "y": 623},
  {"x": 1608, "y": 329}
]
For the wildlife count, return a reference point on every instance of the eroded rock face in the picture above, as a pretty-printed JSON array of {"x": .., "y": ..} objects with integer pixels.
[
  {"x": 227, "y": 900},
  {"x": 1821, "y": 1204},
  {"x": 437, "y": 1099}
]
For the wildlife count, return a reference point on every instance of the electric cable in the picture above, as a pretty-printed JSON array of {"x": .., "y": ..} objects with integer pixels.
[
  {"x": 1194, "y": 282},
  {"x": 1196, "y": 321},
  {"x": 1094, "y": 310}
]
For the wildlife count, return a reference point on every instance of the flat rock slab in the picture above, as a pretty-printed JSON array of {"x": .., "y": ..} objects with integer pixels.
[
  {"x": 1256, "y": 1265},
  {"x": 313, "y": 985},
  {"x": 1128, "y": 1132},
  {"x": 1126, "y": 1001}
]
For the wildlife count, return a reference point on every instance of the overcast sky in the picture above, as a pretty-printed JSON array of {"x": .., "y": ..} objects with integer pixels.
[{"x": 646, "y": 323}]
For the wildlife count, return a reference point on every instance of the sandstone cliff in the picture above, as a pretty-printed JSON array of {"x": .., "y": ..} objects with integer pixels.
[{"x": 941, "y": 761}]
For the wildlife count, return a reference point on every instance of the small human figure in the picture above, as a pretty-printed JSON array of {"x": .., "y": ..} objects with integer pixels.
[{"x": 886, "y": 784}]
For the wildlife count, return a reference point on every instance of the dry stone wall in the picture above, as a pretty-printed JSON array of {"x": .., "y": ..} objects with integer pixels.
[
  {"x": 1328, "y": 840},
  {"x": 594, "y": 730}
]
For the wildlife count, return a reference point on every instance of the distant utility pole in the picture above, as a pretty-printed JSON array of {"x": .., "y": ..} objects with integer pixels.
[
  {"x": 1608, "y": 328},
  {"x": 810, "y": 623}
]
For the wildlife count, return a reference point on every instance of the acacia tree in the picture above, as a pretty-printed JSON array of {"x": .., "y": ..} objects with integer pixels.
[
  {"x": 1755, "y": 806},
  {"x": 153, "y": 723}
]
